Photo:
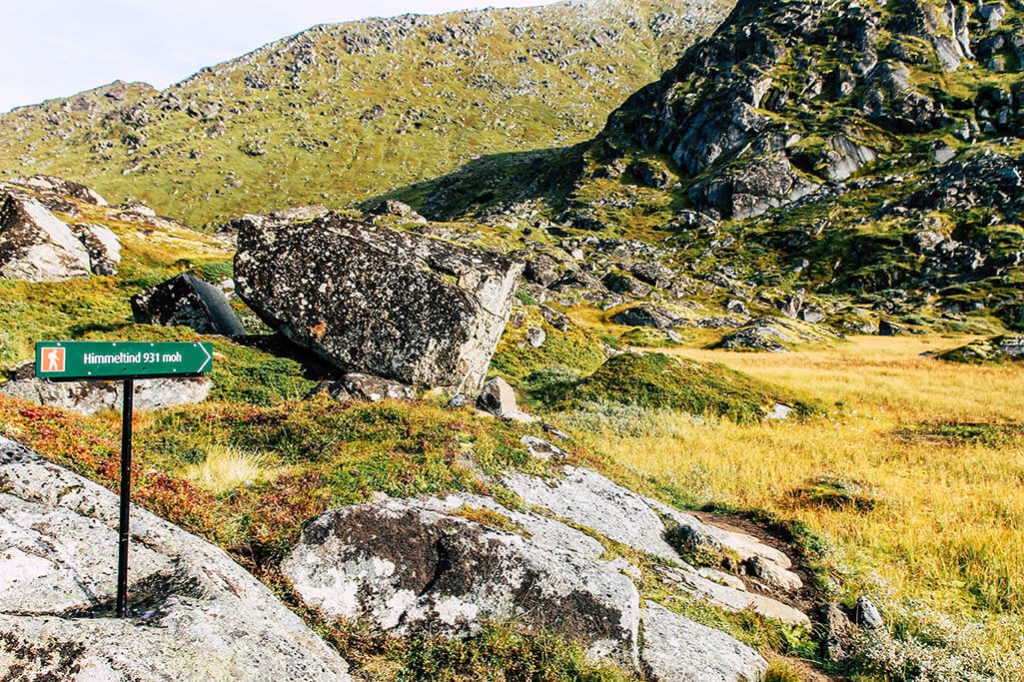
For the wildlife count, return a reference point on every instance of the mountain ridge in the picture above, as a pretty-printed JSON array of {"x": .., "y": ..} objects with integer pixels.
[{"x": 355, "y": 109}]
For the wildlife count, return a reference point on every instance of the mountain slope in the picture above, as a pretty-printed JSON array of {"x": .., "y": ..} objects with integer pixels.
[
  {"x": 343, "y": 112},
  {"x": 855, "y": 150}
]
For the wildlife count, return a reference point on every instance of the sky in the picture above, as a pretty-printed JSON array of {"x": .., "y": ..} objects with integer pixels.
[{"x": 56, "y": 48}]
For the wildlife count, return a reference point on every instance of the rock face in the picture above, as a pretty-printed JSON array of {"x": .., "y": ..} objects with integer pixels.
[
  {"x": 103, "y": 246},
  {"x": 195, "y": 613},
  {"x": 676, "y": 648},
  {"x": 188, "y": 301},
  {"x": 592, "y": 501},
  {"x": 410, "y": 566},
  {"x": 35, "y": 246},
  {"x": 393, "y": 304},
  {"x": 89, "y": 397}
]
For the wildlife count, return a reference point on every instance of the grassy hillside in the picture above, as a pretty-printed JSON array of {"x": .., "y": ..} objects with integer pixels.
[{"x": 343, "y": 112}]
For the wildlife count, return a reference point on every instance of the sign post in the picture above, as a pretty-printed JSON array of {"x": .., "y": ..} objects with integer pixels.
[{"x": 127, "y": 361}]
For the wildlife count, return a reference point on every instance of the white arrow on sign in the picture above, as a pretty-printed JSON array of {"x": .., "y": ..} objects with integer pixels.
[{"x": 208, "y": 358}]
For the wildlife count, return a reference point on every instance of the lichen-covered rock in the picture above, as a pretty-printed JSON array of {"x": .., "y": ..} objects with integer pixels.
[
  {"x": 188, "y": 301},
  {"x": 35, "y": 246},
  {"x": 194, "y": 613},
  {"x": 677, "y": 648},
  {"x": 393, "y": 304},
  {"x": 89, "y": 397},
  {"x": 103, "y": 246},
  {"x": 411, "y": 566},
  {"x": 591, "y": 500}
]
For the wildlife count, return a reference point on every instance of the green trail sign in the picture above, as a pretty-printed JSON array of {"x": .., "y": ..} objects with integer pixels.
[
  {"x": 96, "y": 360},
  {"x": 128, "y": 361}
]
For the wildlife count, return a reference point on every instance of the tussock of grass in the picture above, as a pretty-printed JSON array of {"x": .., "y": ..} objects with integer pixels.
[{"x": 226, "y": 468}]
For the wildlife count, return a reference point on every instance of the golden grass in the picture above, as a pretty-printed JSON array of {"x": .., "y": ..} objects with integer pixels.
[
  {"x": 947, "y": 532},
  {"x": 227, "y": 468}
]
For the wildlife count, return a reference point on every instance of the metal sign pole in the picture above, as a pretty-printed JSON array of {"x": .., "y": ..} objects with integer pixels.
[
  {"x": 126, "y": 493},
  {"x": 128, "y": 361}
]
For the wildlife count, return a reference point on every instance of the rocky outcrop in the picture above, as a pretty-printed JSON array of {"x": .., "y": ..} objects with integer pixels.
[
  {"x": 90, "y": 397},
  {"x": 49, "y": 185},
  {"x": 411, "y": 566},
  {"x": 188, "y": 301},
  {"x": 103, "y": 246},
  {"x": 999, "y": 349},
  {"x": 393, "y": 304},
  {"x": 194, "y": 613},
  {"x": 447, "y": 566},
  {"x": 676, "y": 648},
  {"x": 754, "y": 188},
  {"x": 35, "y": 246},
  {"x": 776, "y": 335}
]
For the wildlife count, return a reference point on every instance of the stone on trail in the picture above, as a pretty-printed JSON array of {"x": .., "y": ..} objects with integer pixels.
[
  {"x": 676, "y": 649},
  {"x": 366, "y": 298},
  {"x": 419, "y": 566},
  {"x": 194, "y": 613},
  {"x": 90, "y": 397},
  {"x": 35, "y": 246},
  {"x": 499, "y": 398},
  {"x": 188, "y": 301}
]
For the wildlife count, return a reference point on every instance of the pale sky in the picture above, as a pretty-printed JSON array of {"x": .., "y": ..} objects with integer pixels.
[{"x": 55, "y": 48}]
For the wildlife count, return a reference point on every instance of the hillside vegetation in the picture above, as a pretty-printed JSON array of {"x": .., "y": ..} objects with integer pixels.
[
  {"x": 869, "y": 151},
  {"x": 343, "y": 112}
]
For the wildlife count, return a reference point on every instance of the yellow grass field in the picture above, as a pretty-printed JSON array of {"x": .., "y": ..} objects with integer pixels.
[{"x": 936, "y": 451}]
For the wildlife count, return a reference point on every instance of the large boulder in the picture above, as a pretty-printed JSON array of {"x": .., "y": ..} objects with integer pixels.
[
  {"x": 188, "y": 301},
  {"x": 90, "y": 397},
  {"x": 35, "y": 246},
  {"x": 445, "y": 567},
  {"x": 194, "y": 613},
  {"x": 389, "y": 303}
]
